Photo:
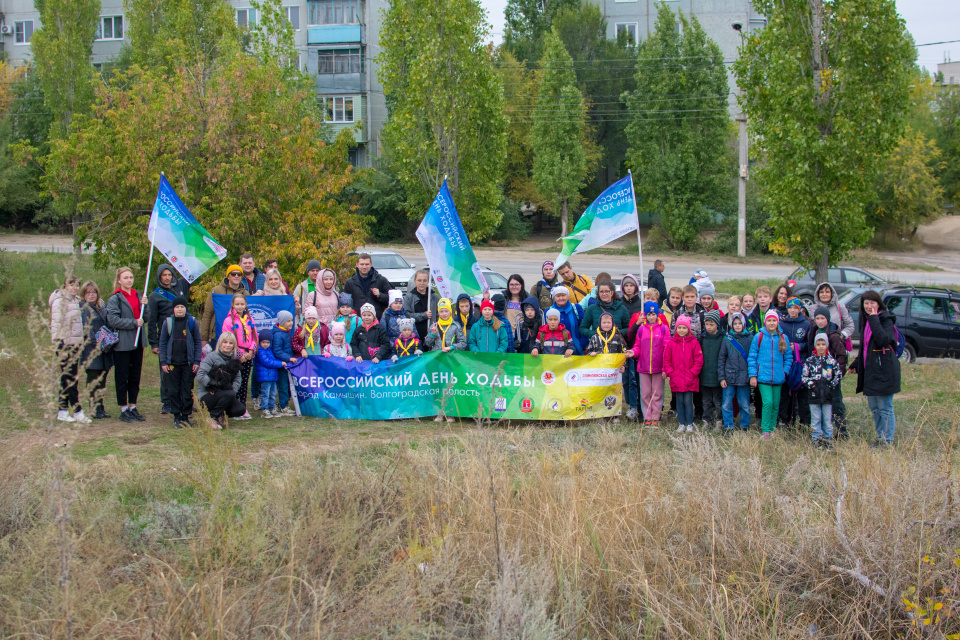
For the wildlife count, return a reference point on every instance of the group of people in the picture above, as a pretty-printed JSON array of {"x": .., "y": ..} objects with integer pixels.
[{"x": 767, "y": 357}]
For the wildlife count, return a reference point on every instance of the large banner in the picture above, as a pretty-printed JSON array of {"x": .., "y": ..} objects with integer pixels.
[
  {"x": 462, "y": 384},
  {"x": 263, "y": 309},
  {"x": 453, "y": 264},
  {"x": 612, "y": 214},
  {"x": 180, "y": 237}
]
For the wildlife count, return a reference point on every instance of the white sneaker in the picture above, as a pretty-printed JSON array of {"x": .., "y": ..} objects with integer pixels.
[
  {"x": 256, "y": 403},
  {"x": 689, "y": 428},
  {"x": 632, "y": 413},
  {"x": 289, "y": 412},
  {"x": 681, "y": 429},
  {"x": 79, "y": 417},
  {"x": 245, "y": 416},
  {"x": 64, "y": 416}
]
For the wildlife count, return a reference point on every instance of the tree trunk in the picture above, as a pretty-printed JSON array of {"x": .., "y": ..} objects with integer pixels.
[
  {"x": 563, "y": 218},
  {"x": 822, "y": 265}
]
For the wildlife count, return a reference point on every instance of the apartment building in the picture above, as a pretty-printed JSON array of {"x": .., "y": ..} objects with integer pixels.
[{"x": 337, "y": 41}]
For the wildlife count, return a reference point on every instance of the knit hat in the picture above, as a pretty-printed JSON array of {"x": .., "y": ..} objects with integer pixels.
[
  {"x": 346, "y": 300},
  {"x": 338, "y": 327},
  {"x": 684, "y": 321},
  {"x": 794, "y": 302},
  {"x": 232, "y": 268},
  {"x": 548, "y": 262},
  {"x": 558, "y": 290},
  {"x": 771, "y": 313},
  {"x": 553, "y": 313},
  {"x": 394, "y": 295},
  {"x": 368, "y": 307},
  {"x": 314, "y": 264},
  {"x": 821, "y": 337},
  {"x": 605, "y": 313},
  {"x": 734, "y": 316},
  {"x": 405, "y": 323},
  {"x": 311, "y": 312},
  {"x": 284, "y": 316},
  {"x": 445, "y": 304},
  {"x": 487, "y": 304},
  {"x": 650, "y": 307},
  {"x": 700, "y": 273},
  {"x": 499, "y": 302},
  {"x": 713, "y": 316},
  {"x": 265, "y": 337},
  {"x": 632, "y": 278},
  {"x": 178, "y": 301},
  {"x": 822, "y": 310}
]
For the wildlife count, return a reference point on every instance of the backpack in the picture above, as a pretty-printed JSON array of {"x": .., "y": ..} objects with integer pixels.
[
  {"x": 192, "y": 324},
  {"x": 901, "y": 341}
]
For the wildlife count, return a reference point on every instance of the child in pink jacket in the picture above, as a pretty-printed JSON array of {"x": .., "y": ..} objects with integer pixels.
[
  {"x": 648, "y": 348},
  {"x": 240, "y": 324},
  {"x": 682, "y": 363}
]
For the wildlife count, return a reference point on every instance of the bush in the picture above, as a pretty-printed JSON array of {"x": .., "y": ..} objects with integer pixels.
[
  {"x": 513, "y": 226},
  {"x": 380, "y": 197},
  {"x": 759, "y": 233},
  {"x": 657, "y": 239}
]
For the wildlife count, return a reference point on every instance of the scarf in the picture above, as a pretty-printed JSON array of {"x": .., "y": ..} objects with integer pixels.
[
  {"x": 464, "y": 318},
  {"x": 444, "y": 326},
  {"x": 413, "y": 343},
  {"x": 532, "y": 324},
  {"x": 241, "y": 322},
  {"x": 606, "y": 341},
  {"x": 268, "y": 291},
  {"x": 309, "y": 331}
]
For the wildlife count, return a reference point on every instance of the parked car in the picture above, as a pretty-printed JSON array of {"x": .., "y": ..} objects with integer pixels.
[
  {"x": 804, "y": 283},
  {"x": 391, "y": 266},
  {"x": 928, "y": 318}
]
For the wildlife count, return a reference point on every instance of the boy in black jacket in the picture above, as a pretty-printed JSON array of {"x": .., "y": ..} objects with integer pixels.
[
  {"x": 837, "y": 347},
  {"x": 180, "y": 350},
  {"x": 821, "y": 375}
]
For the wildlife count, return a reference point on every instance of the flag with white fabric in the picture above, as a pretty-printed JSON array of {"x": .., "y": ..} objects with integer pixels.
[{"x": 612, "y": 214}]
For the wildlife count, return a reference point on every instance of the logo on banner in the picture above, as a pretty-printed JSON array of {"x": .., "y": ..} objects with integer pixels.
[
  {"x": 591, "y": 377},
  {"x": 610, "y": 401},
  {"x": 526, "y": 405},
  {"x": 500, "y": 404},
  {"x": 548, "y": 378},
  {"x": 556, "y": 406}
]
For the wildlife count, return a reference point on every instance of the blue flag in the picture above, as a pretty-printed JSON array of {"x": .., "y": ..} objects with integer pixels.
[{"x": 263, "y": 309}]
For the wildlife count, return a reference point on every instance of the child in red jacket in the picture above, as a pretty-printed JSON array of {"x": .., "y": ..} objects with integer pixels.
[
  {"x": 682, "y": 363},
  {"x": 553, "y": 337}
]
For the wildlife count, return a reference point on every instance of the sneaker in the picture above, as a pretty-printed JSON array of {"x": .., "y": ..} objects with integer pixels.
[
  {"x": 450, "y": 420},
  {"x": 267, "y": 414},
  {"x": 101, "y": 413},
  {"x": 632, "y": 413},
  {"x": 288, "y": 412},
  {"x": 689, "y": 428},
  {"x": 256, "y": 404},
  {"x": 647, "y": 423},
  {"x": 81, "y": 418},
  {"x": 214, "y": 424},
  {"x": 64, "y": 416},
  {"x": 136, "y": 415},
  {"x": 185, "y": 421},
  {"x": 127, "y": 416},
  {"x": 438, "y": 419},
  {"x": 177, "y": 422},
  {"x": 164, "y": 410},
  {"x": 246, "y": 416},
  {"x": 765, "y": 436},
  {"x": 681, "y": 428}
]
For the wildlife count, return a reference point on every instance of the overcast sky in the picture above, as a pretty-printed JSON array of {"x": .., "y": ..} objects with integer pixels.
[{"x": 927, "y": 20}]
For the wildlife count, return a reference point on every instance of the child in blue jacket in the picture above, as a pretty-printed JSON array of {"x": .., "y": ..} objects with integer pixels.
[
  {"x": 268, "y": 372},
  {"x": 282, "y": 348},
  {"x": 769, "y": 364}
]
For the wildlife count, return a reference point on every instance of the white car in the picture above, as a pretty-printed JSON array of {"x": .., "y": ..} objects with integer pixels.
[{"x": 392, "y": 266}]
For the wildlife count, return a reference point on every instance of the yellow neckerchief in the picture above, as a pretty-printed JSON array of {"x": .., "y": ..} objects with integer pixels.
[
  {"x": 463, "y": 318},
  {"x": 242, "y": 319},
  {"x": 404, "y": 350},
  {"x": 309, "y": 341},
  {"x": 606, "y": 341},
  {"x": 444, "y": 326}
]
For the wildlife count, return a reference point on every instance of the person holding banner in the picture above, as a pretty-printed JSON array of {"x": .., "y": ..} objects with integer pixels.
[
  {"x": 370, "y": 340},
  {"x": 124, "y": 315},
  {"x": 231, "y": 286},
  {"x": 312, "y": 336},
  {"x": 464, "y": 313},
  {"x": 445, "y": 334},
  {"x": 159, "y": 308},
  {"x": 489, "y": 334},
  {"x": 239, "y": 322}
]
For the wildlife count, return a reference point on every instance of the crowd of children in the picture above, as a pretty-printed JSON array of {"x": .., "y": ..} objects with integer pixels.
[{"x": 768, "y": 359}]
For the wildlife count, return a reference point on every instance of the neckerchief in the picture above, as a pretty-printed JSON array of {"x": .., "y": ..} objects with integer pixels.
[
  {"x": 309, "y": 343},
  {"x": 464, "y": 319},
  {"x": 606, "y": 341},
  {"x": 241, "y": 321},
  {"x": 405, "y": 349},
  {"x": 282, "y": 328},
  {"x": 444, "y": 326}
]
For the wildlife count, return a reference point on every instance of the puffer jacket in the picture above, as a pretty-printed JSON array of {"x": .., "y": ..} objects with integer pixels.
[
  {"x": 570, "y": 316},
  {"x": 267, "y": 366},
  {"x": 93, "y": 319},
  {"x": 452, "y": 337},
  {"x": 821, "y": 375},
  {"x": 696, "y": 318},
  {"x": 350, "y": 323},
  {"x": 489, "y": 336},
  {"x": 160, "y": 303},
  {"x": 682, "y": 362},
  {"x": 649, "y": 346},
  {"x": 526, "y": 329},
  {"x": 553, "y": 342},
  {"x": 764, "y": 360},
  {"x": 389, "y": 321},
  {"x": 877, "y": 365},
  {"x": 326, "y": 301},
  {"x": 66, "y": 323},
  {"x": 244, "y": 330},
  {"x": 282, "y": 344},
  {"x": 208, "y": 321},
  {"x": 603, "y": 342},
  {"x": 711, "y": 344},
  {"x": 839, "y": 315},
  {"x": 465, "y": 324},
  {"x": 213, "y": 359},
  {"x": 836, "y": 345},
  {"x": 798, "y": 331},
  {"x": 370, "y": 342},
  {"x": 591, "y": 316},
  {"x": 731, "y": 366}
]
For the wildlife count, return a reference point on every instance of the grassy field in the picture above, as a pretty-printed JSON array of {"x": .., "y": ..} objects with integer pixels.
[{"x": 302, "y": 527}]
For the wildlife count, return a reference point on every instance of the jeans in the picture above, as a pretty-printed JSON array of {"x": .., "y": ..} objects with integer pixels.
[
  {"x": 630, "y": 383},
  {"x": 712, "y": 403},
  {"x": 283, "y": 389},
  {"x": 742, "y": 394},
  {"x": 651, "y": 392},
  {"x": 685, "y": 407},
  {"x": 821, "y": 421},
  {"x": 179, "y": 385},
  {"x": 770, "y": 393},
  {"x": 882, "y": 408},
  {"x": 267, "y": 394}
]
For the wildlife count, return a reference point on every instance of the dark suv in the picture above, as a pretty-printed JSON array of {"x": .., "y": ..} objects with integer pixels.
[{"x": 929, "y": 318}]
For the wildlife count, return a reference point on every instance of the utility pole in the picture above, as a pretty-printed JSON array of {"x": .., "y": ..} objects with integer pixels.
[{"x": 744, "y": 169}]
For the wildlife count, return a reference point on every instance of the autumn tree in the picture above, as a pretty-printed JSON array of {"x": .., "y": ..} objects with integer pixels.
[
  {"x": 948, "y": 141},
  {"x": 446, "y": 108},
  {"x": 678, "y": 126},
  {"x": 526, "y": 24},
  {"x": 908, "y": 192},
  {"x": 826, "y": 87},
  {"x": 559, "y": 162}
]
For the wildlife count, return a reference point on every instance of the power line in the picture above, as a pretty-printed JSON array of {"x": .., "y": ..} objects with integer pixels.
[{"x": 930, "y": 44}]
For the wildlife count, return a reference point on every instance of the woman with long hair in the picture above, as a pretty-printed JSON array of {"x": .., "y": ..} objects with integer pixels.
[
  {"x": 125, "y": 317},
  {"x": 93, "y": 313},
  {"x": 240, "y": 324},
  {"x": 516, "y": 293}
]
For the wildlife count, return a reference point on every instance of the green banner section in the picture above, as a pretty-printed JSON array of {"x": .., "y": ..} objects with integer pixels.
[{"x": 461, "y": 384}]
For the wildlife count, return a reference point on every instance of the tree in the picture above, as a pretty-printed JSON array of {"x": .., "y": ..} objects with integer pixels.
[
  {"x": 559, "y": 162},
  {"x": 243, "y": 145},
  {"x": 446, "y": 108},
  {"x": 526, "y": 22},
  {"x": 521, "y": 84},
  {"x": 908, "y": 192},
  {"x": 948, "y": 140},
  {"x": 826, "y": 87},
  {"x": 26, "y": 127},
  {"x": 678, "y": 127}
]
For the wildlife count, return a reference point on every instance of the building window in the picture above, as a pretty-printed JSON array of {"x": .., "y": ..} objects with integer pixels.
[
  {"x": 339, "y": 61},
  {"x": 22, "y": 31},
  {"x": 110, "y": 28},
  {"x": 246, "y": 17},
  {"x": 630, "y": 28},
  {"x": 334, "y": 11},
  {"x": 353, "y": 156},
  {"x": 293, "y": 15},
  {"x": 338, "y": 109}
]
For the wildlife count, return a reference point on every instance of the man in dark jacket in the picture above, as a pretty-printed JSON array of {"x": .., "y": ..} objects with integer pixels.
[
  {"x": 253, "y": 278},
  {"x": 367, "y": 285},
  {"x": 656, "y": 281},
  {"x": 159, "y": 308}
]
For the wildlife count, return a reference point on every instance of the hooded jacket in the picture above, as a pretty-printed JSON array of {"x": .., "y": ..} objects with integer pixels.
[
  {"x": 612, "y": 340},
  {"x": 208, "y": 322},
  {"x": 66, "y": 323},
  {"x": 731, "y": 366},
  {"x": 527, "y": 328},
  {"x": 489, "y": 336},
  {"x": 94, "y": 318},
  {"x": 553, "y": 342},
  {"x": 471, "y": 319},
  {"x": 764, "y": 360},
  {"x": 591, "y": 316},
  {"x": 390, "y": 319},
  {"x": 267, "y": 366},
  {"x": 821, "y": 375},
  {"x": 649, "y": 346},
  {"x": 839, "y": 315},
  {"x": 696, "y": 318},
  {"x": 633, "y": 305},
  {"x": 836, "y": 344},
  {"x": 281, "y": 344},
  {"x": 243, "y": 329},
  {"x": 682, "y": 362},
  {"x": 570, "y": 316},
  {"x": 191, "y": 336},
  {"x": 711, "y": 344},
  {"x": 370, "y": 342},
  {"x": 656, "y": 281},
  {"x": 160, "y": 303},
  {"x": 542, "y": 290},
  {"x": 359, "y": 288},
  {"x": 215, "y": 359},
  {"x": 325, "y": 300},
  {"x": 877, "y": 365},
  {"x": 453, "y": 337},
  {"x": 797, "y": 331},
  {"x": 350, "y": 323}
]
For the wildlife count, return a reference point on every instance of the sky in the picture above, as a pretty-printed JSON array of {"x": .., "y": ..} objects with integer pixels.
[{"x": 927, "y": 20}]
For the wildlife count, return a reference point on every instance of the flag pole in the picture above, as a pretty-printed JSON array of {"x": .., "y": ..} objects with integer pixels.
[
  {"x": 636, "y": 215},
  {"x": 146, "y": 282}
]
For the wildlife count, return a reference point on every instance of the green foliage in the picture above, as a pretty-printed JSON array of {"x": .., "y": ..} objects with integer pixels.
[
  {"x": 446, "y": 100},
  {"x": 526, "y": 22},
  {"x": 559, "y": 162},
  {"x": 677, "y": 132},
  {"x": 380, "y": 197},
  {"x": 173, "y": 33},
  {"x": 826, "y": 90},
  {"x": 759, "y": 232},
  {"x": 273, "y": 37},
  {"x": 27, "y": 126},
  {"x": 908, "y": 192},
  {"x": 948, "y": 140},
  {"x": 520, "y": 83},
  {"x": 513, "y": 227}
]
